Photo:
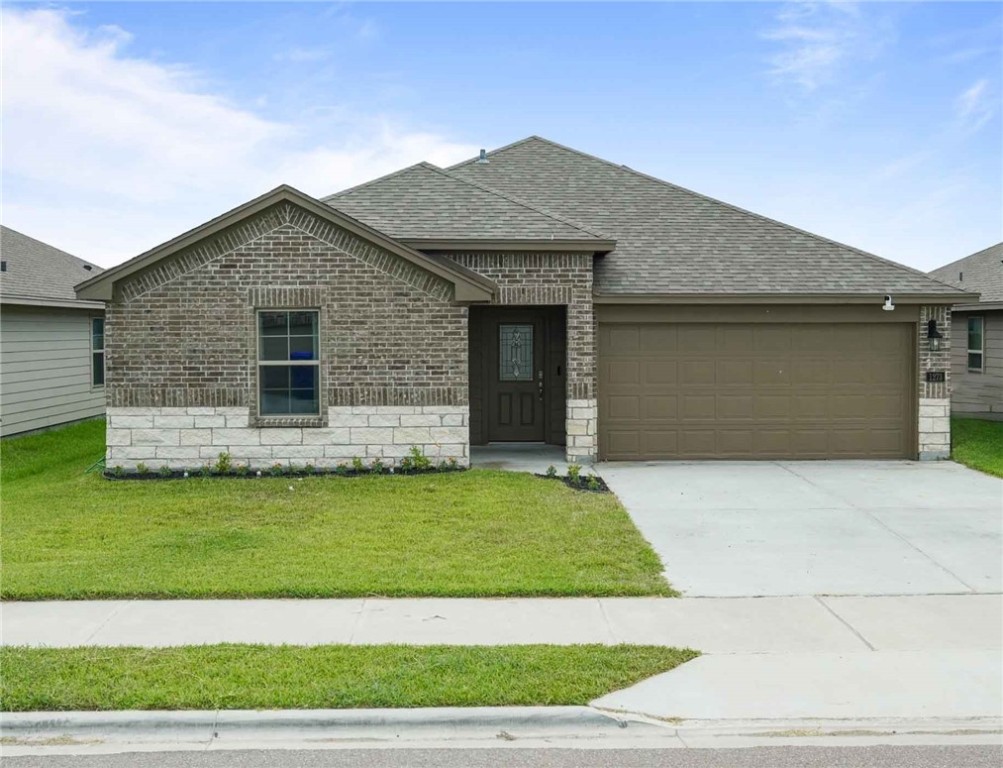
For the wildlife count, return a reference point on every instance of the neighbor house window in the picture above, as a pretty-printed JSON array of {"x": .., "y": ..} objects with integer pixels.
[
  {"x": 97, "y": 351},
  {"x": 976, "y": 344},
  {"x": 288, "y": 363}
]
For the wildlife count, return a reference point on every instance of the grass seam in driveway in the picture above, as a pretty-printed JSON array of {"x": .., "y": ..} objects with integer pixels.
[
  {"x": 76, "y": 536},
  {"x": 321, "y": 677}
]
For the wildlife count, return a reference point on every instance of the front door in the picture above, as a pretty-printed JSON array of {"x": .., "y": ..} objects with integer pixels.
[{"x": 515, "y": 377}]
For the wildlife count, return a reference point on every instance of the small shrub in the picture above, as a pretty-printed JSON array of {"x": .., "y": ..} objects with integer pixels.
[
  {"x": 551, "y": 471},
  {"x": 310, "y": 469},
  {"x": 142, "y": 469},
  {"x": 206, "y": 470},
  {"x": 277, "y": 470},
  {"x": 592, "y": 483},
  {"x": 575, "y": 474},
  {"x": 242, "y": 470},
  {"x": 443, "y": 466},
  {"x": 164, "y": 471},
  {"x": 118, "y": 471},
  {"x": 419, "y": 460},
  {"x": 377, "y": 465},
  {"x": 341, "y": 469},
  {"x": 292, "y": 469},
  {"x": 223, "y": 463},
  {"x": 357, "y": 464}
]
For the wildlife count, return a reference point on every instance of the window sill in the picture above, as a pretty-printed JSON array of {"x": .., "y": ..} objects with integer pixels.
[{"x": 288, "y": 421}]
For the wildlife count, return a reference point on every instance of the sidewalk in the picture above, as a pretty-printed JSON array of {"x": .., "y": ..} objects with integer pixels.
[
  {"x": 935, "y": 657},
  {"x": 713, "y": 625}
]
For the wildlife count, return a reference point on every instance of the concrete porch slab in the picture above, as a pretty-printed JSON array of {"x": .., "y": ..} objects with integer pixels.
[{"x": 519, "y": 457}]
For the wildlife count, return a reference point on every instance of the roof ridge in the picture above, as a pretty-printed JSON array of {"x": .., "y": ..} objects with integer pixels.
[
  {"x": 523, "y": 203},
  {"x": 384, "y": 177},
  {"x": 685, "y": 190}
]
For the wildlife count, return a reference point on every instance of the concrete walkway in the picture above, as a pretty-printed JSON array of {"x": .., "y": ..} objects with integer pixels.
[{"x": 714, "y": 626}]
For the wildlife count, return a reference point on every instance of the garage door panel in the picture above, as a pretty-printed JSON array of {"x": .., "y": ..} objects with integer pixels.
[
  {"x": 735, "y": 373},
  {"x": 660, "y": 372},
  {"x": 626, "y": 407},
  {"x": 655, "y": 339},
  {"x": 695, "y": 373},
  {"x": 811, "y": 390},
  {"x": 625, "y": 339},
  {"x": 661, "y": 407}
]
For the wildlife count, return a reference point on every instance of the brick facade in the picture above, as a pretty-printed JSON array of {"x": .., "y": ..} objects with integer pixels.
[
  {"x": 183, "y": 334},
  {"x": 934, "y": 397},
  {"x": 549, "y": 279}
]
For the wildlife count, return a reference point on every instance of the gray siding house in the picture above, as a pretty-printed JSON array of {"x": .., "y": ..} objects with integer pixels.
[
  {"x": 977, "y": 361},
  {"x": 534, "y": 294},
  {"x": 51, "y": 342}
]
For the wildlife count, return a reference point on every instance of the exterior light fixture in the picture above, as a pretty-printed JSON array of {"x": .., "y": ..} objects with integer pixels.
[
  {"x": 889, "y": 305},
  {"x": 933, "y": 335}
]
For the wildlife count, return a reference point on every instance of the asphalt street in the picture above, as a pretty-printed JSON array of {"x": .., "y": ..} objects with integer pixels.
[{"x": 938, "y": 756}]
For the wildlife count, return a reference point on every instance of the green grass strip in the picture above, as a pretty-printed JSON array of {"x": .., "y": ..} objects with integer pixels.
[
  {"x": 978, "y": 444},
  {"x": 67, "y": 535},
  {"x": 321, "y": 677}
]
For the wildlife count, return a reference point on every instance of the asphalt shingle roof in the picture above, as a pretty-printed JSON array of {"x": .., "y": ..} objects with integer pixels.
[
  {"x": 34, "y": 270},
  {"x": 674, "y": 241},
  {"x": 982, "y": 273},
  {"x": 424, "y": 201}
]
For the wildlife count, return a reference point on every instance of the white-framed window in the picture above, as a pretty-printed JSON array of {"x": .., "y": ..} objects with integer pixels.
[
  {"x": 97, "y": 351},
  {"x": 288, "y": 362},
  {"x": 976, "y": 344}
]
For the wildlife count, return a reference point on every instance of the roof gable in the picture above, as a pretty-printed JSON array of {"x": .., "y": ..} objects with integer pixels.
[
  {"x": 670, "y": 240},
  {"x": 468, "y": 285},
  {"x": 424, "y": 203},
  {"x": 37, "y": 273}
]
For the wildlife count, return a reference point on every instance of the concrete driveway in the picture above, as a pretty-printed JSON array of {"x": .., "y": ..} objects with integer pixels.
[{"x": 818, "y": 528}]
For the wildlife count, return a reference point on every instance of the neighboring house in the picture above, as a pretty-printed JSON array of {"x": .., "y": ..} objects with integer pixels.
[
  {"x": 977, "y": 327},
  {"x": 535, "y": 294},
  {"x": 51, "y": 342}
]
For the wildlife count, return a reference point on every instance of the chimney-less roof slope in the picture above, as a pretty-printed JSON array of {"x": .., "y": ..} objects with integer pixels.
[
  {"x": 670, "y": 240},
  {"x": 982, "y": 273},
  {"x": 37, "y": 273},
  {"x": 424, "y": 202}
]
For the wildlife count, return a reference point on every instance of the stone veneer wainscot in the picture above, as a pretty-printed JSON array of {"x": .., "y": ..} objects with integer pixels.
[{"x": 185, "y": 438}]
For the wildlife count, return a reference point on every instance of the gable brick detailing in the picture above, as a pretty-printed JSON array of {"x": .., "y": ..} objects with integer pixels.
[
  {"x": 934, "y": 397},
  {"x": 547, "y": 279},
  {"x": 281, "y": 215},
  {"x": 389, "y": 337}
]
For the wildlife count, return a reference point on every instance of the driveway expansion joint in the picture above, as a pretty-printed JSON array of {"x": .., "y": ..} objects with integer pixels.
[{"x": 844, "y": 622}]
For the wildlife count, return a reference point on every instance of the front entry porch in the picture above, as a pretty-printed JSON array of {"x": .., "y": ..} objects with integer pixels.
[{"x": 518, "y": 375}]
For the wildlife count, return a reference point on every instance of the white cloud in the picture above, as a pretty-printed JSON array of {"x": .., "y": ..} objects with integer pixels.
[
  {"x": 976, "y": 106},
  {"x": 817, "y": 40},
  {"x": 107, "y": 154}
]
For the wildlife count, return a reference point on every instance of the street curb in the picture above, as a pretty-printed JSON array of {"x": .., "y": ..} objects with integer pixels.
[
  {"x": 209, "y": 725},
  {"x": 509, "y": 723}
]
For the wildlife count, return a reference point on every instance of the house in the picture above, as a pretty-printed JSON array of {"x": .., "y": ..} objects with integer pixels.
[
  {"x": 977, "y": 327},
  {"x": 51, "y": 342},
  {"x": 533, "y": 294}
]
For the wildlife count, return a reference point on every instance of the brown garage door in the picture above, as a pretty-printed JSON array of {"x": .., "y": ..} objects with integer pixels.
[{"x": 755, "y": 391}]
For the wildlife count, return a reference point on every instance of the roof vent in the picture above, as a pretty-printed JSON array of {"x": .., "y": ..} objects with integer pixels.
[
  {"x": 88, "y": 267},
  {"x": 3, "y": 266},
  {"x": 483, "y": 159}
]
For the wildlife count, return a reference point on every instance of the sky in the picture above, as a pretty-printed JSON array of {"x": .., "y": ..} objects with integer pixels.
[{"x": 874, "y": 124}]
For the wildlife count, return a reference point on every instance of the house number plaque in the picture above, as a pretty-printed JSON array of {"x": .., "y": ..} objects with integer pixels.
[{"x": 935, "y": 377}]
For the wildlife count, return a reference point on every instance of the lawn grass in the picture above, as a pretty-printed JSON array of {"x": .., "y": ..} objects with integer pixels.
[
  {"x": 71, "y": 535},
  {"x": 322, "y": 677},
  {"x": 978, "y": 444}
]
